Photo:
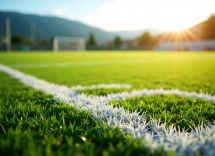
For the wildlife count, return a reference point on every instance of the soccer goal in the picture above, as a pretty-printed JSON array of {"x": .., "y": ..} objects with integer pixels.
[{"x": 68, "y": 44}]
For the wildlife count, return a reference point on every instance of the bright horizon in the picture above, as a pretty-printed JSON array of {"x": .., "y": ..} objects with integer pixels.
[{"x": 121, "y": 15}]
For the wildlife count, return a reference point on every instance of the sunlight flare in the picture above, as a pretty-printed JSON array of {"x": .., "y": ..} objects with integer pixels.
[{"x": 139, "y": 14}]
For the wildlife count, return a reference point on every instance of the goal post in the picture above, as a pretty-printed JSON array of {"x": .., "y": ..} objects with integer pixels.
[{"x": 68, "y": 44}]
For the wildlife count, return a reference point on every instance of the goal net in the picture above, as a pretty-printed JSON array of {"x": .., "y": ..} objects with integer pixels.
[{"x": 68, "y": 44}]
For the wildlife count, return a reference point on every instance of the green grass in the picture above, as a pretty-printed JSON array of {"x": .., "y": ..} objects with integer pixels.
[
  {"x": 180, "y": 111},
  {"x": 102, "y": 91},
  {"x": 172, "y": 109},
  {"x": 185, "y": 71},
  {"x": 32, "y": 124}
]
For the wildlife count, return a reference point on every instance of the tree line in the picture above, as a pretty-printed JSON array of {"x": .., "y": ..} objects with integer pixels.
[
  {"x": 207, "y": 32},
  {"x": 93, "y": 42},
  {"x": 145, "y": 39}
]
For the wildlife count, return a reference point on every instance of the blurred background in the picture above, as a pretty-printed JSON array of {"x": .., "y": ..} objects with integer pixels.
[{"x": 182, "y": 25}]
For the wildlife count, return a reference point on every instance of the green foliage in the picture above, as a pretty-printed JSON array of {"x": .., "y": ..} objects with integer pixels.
[
  {"x": 44, "y": 42},
  {"x": 92, "y": 40},
  {"x": 145, "y": 39},
  {"x": 117, "y": 41},
  {"x": 208, "y": 28},
  {"x": 52, "y": 40},
  {"x": 110, "y": 44},
  {"x": 19, "y": 39}
]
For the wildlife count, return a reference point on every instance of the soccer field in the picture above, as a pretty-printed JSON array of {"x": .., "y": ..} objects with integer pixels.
[
  {"x": 130, "y": 81},
  {"x": 185, "y": 71}
]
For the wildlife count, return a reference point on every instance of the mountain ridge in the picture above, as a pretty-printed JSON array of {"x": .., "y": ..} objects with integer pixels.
[{"x": 49, "y": 26}]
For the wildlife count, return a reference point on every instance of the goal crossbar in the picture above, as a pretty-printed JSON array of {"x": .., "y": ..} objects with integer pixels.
[{"x": 68, "y": 44}]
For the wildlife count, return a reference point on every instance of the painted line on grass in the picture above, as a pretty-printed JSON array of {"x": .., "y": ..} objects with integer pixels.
[
  {"x": 115, "y": 62},
  {"x": 99, "y": 86},
  {"x": 155, "y": 133}
]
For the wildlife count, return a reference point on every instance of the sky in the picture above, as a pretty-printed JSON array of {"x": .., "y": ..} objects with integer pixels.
[{"x": 119, "y": 15}]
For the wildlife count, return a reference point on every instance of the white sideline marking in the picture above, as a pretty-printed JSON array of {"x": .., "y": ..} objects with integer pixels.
[
  {"x": 68, "y": 64},
  {"x": 154, "y": 133},
  {"x": 90, "y": 63},
  {"x": 99, "y": 86}
]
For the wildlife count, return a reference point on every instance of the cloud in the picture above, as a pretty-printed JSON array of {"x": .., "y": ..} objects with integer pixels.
[
  {"x": 56, "y": 11},
  {"x": 139, "y": 14}
]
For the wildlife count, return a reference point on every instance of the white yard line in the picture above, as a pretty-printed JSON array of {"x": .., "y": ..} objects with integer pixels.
[
  {"x": 99, "y": 86},
  {"x": 155, "y": 133},
  {"x": 91, "y": 63},
  {"x": 111, "y": 62}
]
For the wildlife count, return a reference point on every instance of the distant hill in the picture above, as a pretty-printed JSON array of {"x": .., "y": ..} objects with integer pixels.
[
  {"x": 193, "y": 33},
  {"x": 197, "y": 30},
  {"x": 47, "y": 26}
]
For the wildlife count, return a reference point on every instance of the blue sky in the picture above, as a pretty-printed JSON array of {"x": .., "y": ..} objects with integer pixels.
[
  {"x": 73, "y": 9},
  {"x": 114, "y": 15}
]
